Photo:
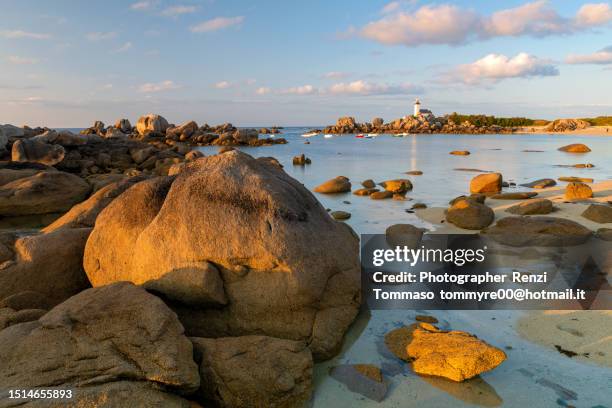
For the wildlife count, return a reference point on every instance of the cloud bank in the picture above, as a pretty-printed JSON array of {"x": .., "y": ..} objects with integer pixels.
[{"x": 601, "y": 57}]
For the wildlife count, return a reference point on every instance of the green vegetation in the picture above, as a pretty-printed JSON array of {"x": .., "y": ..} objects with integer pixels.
[
  {"x": 600, "y": 121},
  {"x": 484, "y": 120}
]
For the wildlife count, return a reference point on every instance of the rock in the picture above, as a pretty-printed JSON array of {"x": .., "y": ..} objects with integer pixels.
[
  {"x": 537, "y": 206},
  {"x": 246, "y": 136},
  {"x": 26, "y": 150},
  {"x": 123, "y": 125},
  {"x": 369, "y": 183},
  {"x": 455, "y": 355},
  {"x": 21, "y": 316},
  {"x": 479, "y": 198},
  {"x": 151, "y": 124},
  {"x": 83, "y": 215},
  {"x": 404, "y": 235},
  {"x": 226, "y": 149},
  {"x": 486, "y": 183},
  {"x": 141, "y": 155},
  {"x": 254, "y": 371},
  {"x": 419, "y": 206},
  {"x": 399, "y": 186},
  {"x": 27, "y": 299},
  {"x": 42, "y": 193},
  {"x": 365, "y": 191},
  {"x": 576, "y": 179},
  {"x": 346, "y": 121},
  {"x": 575, "y": 148},
  {"x": 414, "y": 173},
  {"x": 599, "y": 213},
  {"x": 426, "y": 319},
  {"x": 98, "y": 126},
  {"x": 340, "y": 215},
  {"x": 49, "y": 264},
  {"x": 583, "y": 165},
  {"x": 380, "y": 195},
  {"x": 541, "y": 183},
  {"x": 470, "y": 214},
  {"x": 99, "y": 181},
  {"x": 578, "y": 191},
  {"x": 100, "y": 336},
  {"x": 12, "y": 132},
  {"x": 538, "y": 231},
  {"x": 301, "y": 160},
  {"x": 7, "y": 174},
  {"x": 514, "y": 196},
  {"x": 377, "y": 122},
  {"x": 292, "y": 288},
  {"x": 187, "y": 129},
  {"x": 562, "y": 125},
  {"x": 365, "y": 379},
  {"x": 460, "y": 153},
  {"x": 114, "y": 133},
  {"x": 604, "y": 234},
  {"x": 397, "y": 341},
  {"x": 339, "y": 184},
  {"x": 193, "y": 155}
]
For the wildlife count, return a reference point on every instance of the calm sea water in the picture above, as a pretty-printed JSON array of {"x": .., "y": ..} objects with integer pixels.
[{"x": 386, "y": 157}]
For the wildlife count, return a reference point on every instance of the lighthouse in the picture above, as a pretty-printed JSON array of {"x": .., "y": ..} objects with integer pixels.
[{"x": 417, "y": 107}]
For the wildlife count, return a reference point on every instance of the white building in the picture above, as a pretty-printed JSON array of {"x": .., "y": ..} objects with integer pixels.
[{"x": 417, "y": 107}]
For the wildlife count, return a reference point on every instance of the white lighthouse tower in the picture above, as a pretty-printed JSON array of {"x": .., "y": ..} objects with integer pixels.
[{"x": 417, "y": 107}]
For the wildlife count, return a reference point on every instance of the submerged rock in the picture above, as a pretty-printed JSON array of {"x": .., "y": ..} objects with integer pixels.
[
  {"x": 301, "y": 160},
  {"x": 576, "y": 179},
  {"x": 538, "y": 231},
  {"x": 575, "y": 148},
  {"x": 599, "y": 213},
  {"x": 365, "y": 191},
  {"x": 514, "y": 196},
  {"x": 470, "y": 214},
  {"x": 284, "y": 283},
  {"x": 336, "y": 185},
  {"x": 578, "y": 191},
  {"x": 486, "y": 183},
  {"x": 455, "y": 355},
  {"x": 537, "y": 206},
  {"x": 254, "y": 371},
  {"x": 381, "y": 195}
]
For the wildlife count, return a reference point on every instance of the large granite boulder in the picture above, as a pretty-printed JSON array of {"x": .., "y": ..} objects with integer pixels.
[
  {"x": 538, "y": 231},
  {"x": 151, "y": 124},
  {"x": 486, "y": 183},
  {"x": 99, "y": 337},
  {"x": 470, "y": 214},
  {"x": 50, "y": 264},
  {"x": 288, "y": 270},
  {"x": 42, "y": 193},
  {"x": 254, "y": 371},
  {"x": 123, "y": 125},
  {"x": 245, "y": 136},
  {"x": 28, "y": 150}
]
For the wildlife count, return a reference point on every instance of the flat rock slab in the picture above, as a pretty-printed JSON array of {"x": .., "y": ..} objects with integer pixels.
[
  {"x": 578, "y": 179},
  {"x": 530, "y": 207},
  {"x": 541, "y": 183},
  {"x": 538, "y": 231},
  {"x": 364, "y": 379},
  {"x": 514, "y": 196}
]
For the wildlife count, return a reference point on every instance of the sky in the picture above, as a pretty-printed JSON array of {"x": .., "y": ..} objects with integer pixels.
[{"x": 67, "y": 63}]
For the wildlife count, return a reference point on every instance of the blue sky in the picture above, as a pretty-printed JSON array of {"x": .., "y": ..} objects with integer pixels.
[{"x": 68, "y": 63}]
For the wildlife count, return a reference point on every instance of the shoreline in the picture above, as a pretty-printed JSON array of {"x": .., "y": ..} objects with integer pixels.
[{"x": 590, "y": 131}]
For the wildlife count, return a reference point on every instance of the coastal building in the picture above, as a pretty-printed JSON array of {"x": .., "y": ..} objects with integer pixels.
[{"x": 417, "y": 109}]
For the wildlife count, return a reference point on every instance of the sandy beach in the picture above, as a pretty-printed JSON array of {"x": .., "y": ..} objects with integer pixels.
[{"x": 590, "y": 131}]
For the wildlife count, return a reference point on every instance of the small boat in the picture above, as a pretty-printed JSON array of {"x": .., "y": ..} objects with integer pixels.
[
  {"x": 404, "y": 134},
  {"x": 311, "y": 134},
  {"x": 328, "y": 136},
  {"x": 359, "y": 135},
  {"x": 373, "y": 134}
]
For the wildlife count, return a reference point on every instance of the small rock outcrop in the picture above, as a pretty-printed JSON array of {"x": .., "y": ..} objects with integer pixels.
[
  {"x": 578, "y": 191},
  {"x": 151, "y": 123},
  {"x": 541, "y": 183},
  {"x": 336, "y": 185},
  {"x": 486, "y": 183},
  {"x": 565, "y": 125}
]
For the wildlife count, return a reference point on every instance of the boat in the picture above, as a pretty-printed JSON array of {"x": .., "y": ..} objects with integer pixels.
[
  {"x": 359, "y": 135},
  {"x": 328, "y": 136},
  {"x": 311, "y": 134},
  {"x": 404, "y": 134},
  {"x": 373, "y": 134}
]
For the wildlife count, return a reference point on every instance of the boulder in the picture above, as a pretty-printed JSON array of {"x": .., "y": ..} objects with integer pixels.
[
  {"x": 455, "y": 355},
  {"x": 27, "y": 150},
  {"x": 578, "y": 191},
  {"x": 479, "y": 198},
  {"x": 27, "y": 299},
  {"x": 49, "y": 264},
  {"x": 537, "y": 206},
  {"x": 114, "y": 133},
  {"x": 414, "y": 173},
  {"x": 123, "y": 125},
  {"x": 460, "y": 153},
  {"x": 42, "y": 193},
  {"x": 336, "y": 185},
  {"x": 486, "y": 183},
  {"x": 380, "y": 195},
  {"x": 193, "y": 155},
  {"x": 340, "y": 215},
  {"x": 365, "y": 191},
  {"x": 83, "y": 215},
  {"x": 604, "y": 234},
  {"x": 398, "y": 186},
  {"x": 346, "y": 121},
  {"x": 576, "y": 179},
  {"x": 254, "y": 371},
  {"x": 538, "y": 231},
  {"x": 470, "y": 214},
  {"x": 100, "y": 336},
  {"x": 140, "y": 155},
  {"x": 7, "y": 174},
  {"x": 187, "y": 129},
  {"x": 514, "y": 196},
  {"x": 377, "y": 122},
  {"x": 151, "y": 123},
  {"x": 404, "y": 235},
  {"x": 599, "y": 213},
  {"x": 541, "y": 183},
  {"x": 11, "y": 131},
  {"x": 563, "y": 125},
  {"x": 284, "y": 283},
  {"x": 369, "y": 183},
  {"x": 98, "y": 126},
  {"x": 245, "y": 136},
  {"x": 301, "y": 160},
  {"x": 575, "y": 148}
]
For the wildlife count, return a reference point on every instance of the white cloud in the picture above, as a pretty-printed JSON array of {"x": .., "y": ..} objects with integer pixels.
[
  {"x": 223, "y": 85},
  {"x": 391, "y": 7},
  {"x": 496, "y": 67},
  {"x": 175, "y": 11},
  {"x": 215, "y": 24},
  {"x": 601, "y": 57},
  {"x": 158, "y": 86},
  {"x": 100, "y": 36},
  {"x": 263, "y": 90},
  {"x": 300, "y": 90},
  {"x": 450, "y": 24},
  {"x": 336, "y": 75},
  {"x": 361, "y": 87},
  {"x": 17, "y": 34},
  {"x": 595, "y": 14},
  {"x": 124, "y": 48},
  {"x": 142, "y": 5},
  {"x": 15, "y": 59}
]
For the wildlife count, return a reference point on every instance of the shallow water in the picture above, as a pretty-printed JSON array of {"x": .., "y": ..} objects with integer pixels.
[{"x": 532, "y": 376}]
